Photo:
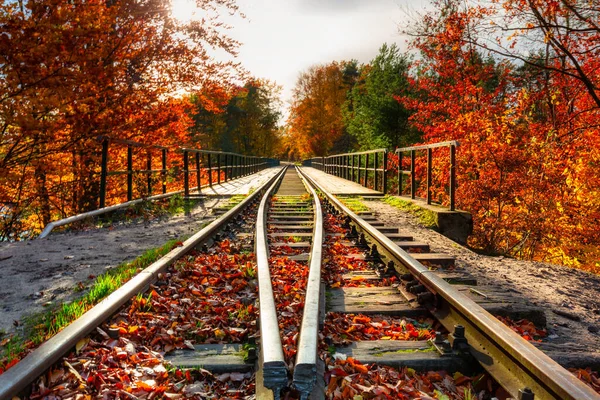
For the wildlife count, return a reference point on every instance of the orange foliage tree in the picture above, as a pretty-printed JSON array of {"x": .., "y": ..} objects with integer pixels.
[
  {"x": 316, "y": 124},
  {"x": 528, "y": 128},
  {"x": 72, "y": 71}
]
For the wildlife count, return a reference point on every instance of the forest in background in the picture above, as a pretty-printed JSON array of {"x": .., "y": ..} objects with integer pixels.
[{"x": 517, "y": 83}]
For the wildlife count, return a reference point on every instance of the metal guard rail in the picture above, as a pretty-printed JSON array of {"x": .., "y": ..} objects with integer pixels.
[
  {"x": 234, "y": 165},
  {"x": 357, "y": 166}
]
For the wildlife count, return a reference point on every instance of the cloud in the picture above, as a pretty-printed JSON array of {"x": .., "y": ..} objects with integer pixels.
[{"x": 338, "y": 6}]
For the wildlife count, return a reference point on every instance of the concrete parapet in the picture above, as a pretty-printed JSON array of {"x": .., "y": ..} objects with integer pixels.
[{"x": 457, "y": 225}]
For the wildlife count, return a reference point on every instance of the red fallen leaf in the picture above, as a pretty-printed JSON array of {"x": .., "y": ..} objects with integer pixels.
[
  {"x": 461, "y": 380},
  {"x": 10, "y": 364},
  {"x": 338, "y": 372},
  {"x": 433, "y": 376},
  {"x": 145, "y": 386},
  {"x": 361, "y": 319}
]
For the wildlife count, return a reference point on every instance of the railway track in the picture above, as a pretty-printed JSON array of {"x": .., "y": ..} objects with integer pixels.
[{"x": 315, "y": 339}]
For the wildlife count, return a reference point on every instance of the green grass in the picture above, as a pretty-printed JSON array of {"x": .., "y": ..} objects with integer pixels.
[
  {"x": 426, "y": 218},
  {"x": 354, "y": 203},
  {"x": 39, "y": 327}
]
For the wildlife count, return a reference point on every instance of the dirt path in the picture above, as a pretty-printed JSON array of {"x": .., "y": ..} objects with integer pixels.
[{"x": 38, "y": 273}]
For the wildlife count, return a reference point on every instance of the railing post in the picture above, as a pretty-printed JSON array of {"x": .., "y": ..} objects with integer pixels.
[
  {"x": 346, "y": 167},
  {"x": 149, "y": 170},
  {"x": 103, "y": 172},
  {"x": 452, "y": 177},
  {"x": 209, "y": 170},
  {"x": 400, "y": 173},
  {"x": 358, "y": 169},
  {"x": 429, "y": 167},
  {"x": 164, "y": 171},
  {"x": 413, "y": 175},
  {"x": 366, "y": 170},
  {"x": 198, "y": 172},
  {"x": 375, "y": 164},
  {"x": 129, "y": 173},
  {"x": 227, "y": 167},
  {"x": 219, "y": 168},
  {"x": 186, "y": 173},
  {"x": 352, "y": 168},
  {"x": 385, "y": 164}
]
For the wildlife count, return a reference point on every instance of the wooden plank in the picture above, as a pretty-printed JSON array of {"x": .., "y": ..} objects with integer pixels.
[
  {"x": 217, "y": 358},
  {"x": 373, "y": 300},
  {"x": 293, "y": 245},
  {"x": 443, "y": 260},
  {"x": 292, "y": 228},
  {"x": 417, "y": 355},
  {"x": 448, "y": 276},
  {"x": 399, "y": 236}
]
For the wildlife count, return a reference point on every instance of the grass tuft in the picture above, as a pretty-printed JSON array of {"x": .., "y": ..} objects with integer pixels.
[
  {"x": 42, "y": 326},
  {"x": 426, "y": 218}
]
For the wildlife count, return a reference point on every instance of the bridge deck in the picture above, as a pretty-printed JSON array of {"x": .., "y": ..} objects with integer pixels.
[
  {"x": 338, "y": 186},
  {"x": 243, "y": 185}
]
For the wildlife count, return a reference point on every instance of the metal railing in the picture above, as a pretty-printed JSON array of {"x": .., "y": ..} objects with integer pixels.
[
  {"x": 355, "y": 167},
  {"x": 358, "y": 167},
  {"x": 213, "y": 166},
  {"x": 230, "y": 165},
  {"x": 412, "y": 172}
]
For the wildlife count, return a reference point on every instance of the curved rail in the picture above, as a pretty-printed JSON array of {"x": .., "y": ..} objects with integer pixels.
[
  {"x": 273, "y": 363},
  {"x": 13, "y": 381},
  {"x": 511, "y": 360},
  {"x": 305, "y": 371}
]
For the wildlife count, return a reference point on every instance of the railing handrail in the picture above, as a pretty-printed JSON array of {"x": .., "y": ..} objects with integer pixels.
[
  {"x": 357, "y": 153},
  {"x": 428, "y": 146},
  {"x": 344, "y": 166},
  {"x": 128, "y": 142},
  {"x": 190, "y": 150}
]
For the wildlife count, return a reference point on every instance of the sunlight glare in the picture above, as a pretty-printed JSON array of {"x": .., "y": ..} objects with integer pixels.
[{"x": 184, "y": 11}]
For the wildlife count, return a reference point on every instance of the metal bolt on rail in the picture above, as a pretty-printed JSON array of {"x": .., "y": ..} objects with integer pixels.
[
  {"x": 526, "y": 394},
  {"x": 458, "y": 339}
]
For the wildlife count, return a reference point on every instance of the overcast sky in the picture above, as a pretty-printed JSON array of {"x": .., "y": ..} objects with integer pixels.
[{"x": 281, "y": 38}]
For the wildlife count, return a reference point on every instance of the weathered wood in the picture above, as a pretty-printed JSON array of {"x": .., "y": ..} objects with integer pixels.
[
  {"x": 417, "y": 355},
  {"x": 403, "y": 236},
  {"x": 217, "y": 358},
  {"x": 451, "y": 277},
  {"x": 443, "y": 260},
  {"x": 292, "y": 228},
  {"x": 293, "y": 245},
  {"x": 372, "y": 300}
]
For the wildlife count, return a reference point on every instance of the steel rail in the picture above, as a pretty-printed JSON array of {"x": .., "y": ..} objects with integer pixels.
[
  {"x": 17, "y": 378},
  {"x": 515, "y": 363},
  {"x": 305, "y": 370},
  {"x": 274, "y": 368}
]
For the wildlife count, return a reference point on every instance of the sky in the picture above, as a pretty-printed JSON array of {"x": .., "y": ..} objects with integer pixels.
[{"x": 282, "y": 38}]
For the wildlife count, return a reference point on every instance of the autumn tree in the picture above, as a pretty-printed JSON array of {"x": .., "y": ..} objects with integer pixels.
[
  {"x": 315, "y": 122},
  {"x": 72, "y": 71},
  {"x": 528, "y": 138},
  {"x": 246, "y": 121},
  {"x": 371, "y": 113}
]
